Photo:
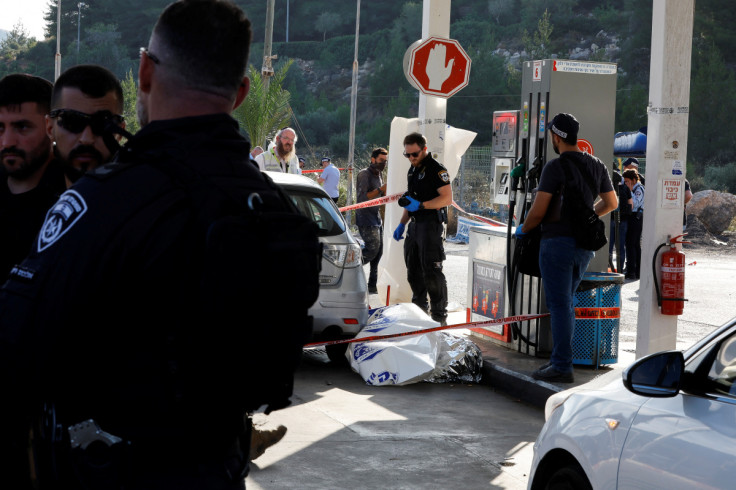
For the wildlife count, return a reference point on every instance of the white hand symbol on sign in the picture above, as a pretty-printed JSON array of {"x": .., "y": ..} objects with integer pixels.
[{"x": 436, "y": 69}]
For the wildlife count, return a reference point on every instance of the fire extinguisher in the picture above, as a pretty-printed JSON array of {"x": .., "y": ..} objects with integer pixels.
[{"x": 671, "y": 298}]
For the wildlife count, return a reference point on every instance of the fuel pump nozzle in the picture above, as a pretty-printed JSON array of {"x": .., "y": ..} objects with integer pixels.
[{"x": 516, "y": 174}]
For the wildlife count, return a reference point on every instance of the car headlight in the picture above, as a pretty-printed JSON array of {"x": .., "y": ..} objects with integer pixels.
[{"x": 344, "y": 256}]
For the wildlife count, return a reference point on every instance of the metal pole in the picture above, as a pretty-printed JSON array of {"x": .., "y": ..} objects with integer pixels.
[
  {"x": 79, "y": 26},
  {"x": 353, "y": 107},
  {"x": 267, "y": 69},
  {"x": 433, "y": 110},
  {"x": 57, "y": 57}
]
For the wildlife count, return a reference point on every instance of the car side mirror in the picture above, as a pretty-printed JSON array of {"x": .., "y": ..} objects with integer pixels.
[{"x": 657, "y": 375}]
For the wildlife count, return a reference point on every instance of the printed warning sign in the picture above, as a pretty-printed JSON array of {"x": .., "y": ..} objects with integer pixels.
[
  {"x": 672, "y": 191},
  {"x": 584, "y": 67}
]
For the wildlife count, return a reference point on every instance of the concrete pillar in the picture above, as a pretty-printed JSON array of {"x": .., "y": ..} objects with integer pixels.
[
  {"x": 669, "y": 100},
  {"x": 433, "y": 110}
]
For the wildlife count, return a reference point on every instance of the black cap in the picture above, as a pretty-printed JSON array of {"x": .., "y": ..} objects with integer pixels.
[
  {"x": 565, "y": 126},
  {"x": 301, "y": 159},
  {"x": 326, "y": 159},
  {"x": 631, "y": 161}
]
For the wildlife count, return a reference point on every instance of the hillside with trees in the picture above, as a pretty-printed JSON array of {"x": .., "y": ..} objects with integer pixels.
[{"x": 497, "y": 34}]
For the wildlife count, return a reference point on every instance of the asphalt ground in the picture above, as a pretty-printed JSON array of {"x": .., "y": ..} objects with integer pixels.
[{"x": 344, "y": 434}]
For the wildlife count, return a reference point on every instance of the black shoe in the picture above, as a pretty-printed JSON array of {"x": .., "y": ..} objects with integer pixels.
[
  {"x": 440, "y": 318},
  {"x": 372, "y": 290},
  {"x": 260, "y": 440},
  {"x": 551, "y": 374}
]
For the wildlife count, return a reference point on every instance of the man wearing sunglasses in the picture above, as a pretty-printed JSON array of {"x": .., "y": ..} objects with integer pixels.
[
  {"x": 86, "y": 101},
  {"x": 30, "y": 181},
  {"x": 425, "y": 210}
]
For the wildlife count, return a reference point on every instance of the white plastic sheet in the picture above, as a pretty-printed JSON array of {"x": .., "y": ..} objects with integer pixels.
[
  {"x": 396, "y": 361},
  {"x": 435, "y": 357}
]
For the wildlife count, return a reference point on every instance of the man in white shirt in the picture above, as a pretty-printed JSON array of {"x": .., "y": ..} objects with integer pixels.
[
  {"x": 330, "y": 178},
  {"x": 281, "y": 154}
]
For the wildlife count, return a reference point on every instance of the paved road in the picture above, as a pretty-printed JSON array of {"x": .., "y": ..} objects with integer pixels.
[{"x": 344, "y": 434}]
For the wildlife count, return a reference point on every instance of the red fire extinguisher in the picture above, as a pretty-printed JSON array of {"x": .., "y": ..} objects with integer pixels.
[{"x": 672, "y": 296}]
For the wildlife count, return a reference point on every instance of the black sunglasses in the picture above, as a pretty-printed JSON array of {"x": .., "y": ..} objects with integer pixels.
[
  {"x": 412, "y": 154},
  {"x": 75, "y": 121},
  {"x": 152, "y": 56}
]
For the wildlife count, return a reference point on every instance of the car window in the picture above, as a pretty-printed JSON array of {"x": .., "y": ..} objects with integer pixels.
[
  {"x": 320, "y": 209},
  {"x": 722, "y": 374}
]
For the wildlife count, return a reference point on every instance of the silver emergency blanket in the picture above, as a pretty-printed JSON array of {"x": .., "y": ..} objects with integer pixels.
[
  {"x": 459, "y": 360},
  {"x": 436, "y": 357}
]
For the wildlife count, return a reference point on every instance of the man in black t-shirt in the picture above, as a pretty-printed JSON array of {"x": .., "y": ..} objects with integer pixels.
[
  {"x": 29, "y": 181},
  {"x": 561, "y": 261},
  {"x": 429, "y": 193}
]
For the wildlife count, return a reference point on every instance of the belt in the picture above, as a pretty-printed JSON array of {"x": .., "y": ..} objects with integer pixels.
[{"x": 424, "y": 218}]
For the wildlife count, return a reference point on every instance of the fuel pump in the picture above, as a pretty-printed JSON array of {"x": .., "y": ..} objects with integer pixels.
[
  {"x": 524, "y": 177},
  {"x": 671, "y": 298}
]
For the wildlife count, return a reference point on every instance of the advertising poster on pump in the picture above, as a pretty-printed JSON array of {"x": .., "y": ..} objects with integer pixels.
[{"x": 488, "y": 298}]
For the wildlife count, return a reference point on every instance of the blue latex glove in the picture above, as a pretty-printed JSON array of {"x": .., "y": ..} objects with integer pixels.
[
  {"x": 399, "y": 232},
  {"x": 519, "y": 233},
  {"x": 413, "y": 205}
]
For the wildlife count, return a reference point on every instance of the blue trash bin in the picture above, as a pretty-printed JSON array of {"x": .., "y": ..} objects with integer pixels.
[{"x": 597, "y": 305}]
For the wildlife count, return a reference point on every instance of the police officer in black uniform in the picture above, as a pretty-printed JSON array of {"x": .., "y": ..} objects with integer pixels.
[
  {"x": 425, "y": 209},
  {"x": 109, "y": 320}
]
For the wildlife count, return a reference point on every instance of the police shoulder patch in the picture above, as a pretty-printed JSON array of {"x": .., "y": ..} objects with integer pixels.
[
  {"x": 444, "y": 175},
  {"x": 61, "y": 217}
]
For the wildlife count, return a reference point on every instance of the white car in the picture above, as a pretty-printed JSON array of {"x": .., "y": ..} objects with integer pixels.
[
  {"x": 669, "y": 424},
  {"x": 341, "y": 309}
]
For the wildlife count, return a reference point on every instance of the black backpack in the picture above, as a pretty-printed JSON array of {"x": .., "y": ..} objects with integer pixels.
[{"x": 587, "y": 227}]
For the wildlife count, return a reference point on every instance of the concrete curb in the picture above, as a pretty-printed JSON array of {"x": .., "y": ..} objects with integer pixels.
[{"x": 517, "y": 385}]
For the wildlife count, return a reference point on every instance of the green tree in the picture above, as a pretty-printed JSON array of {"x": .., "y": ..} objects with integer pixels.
[
  {"x": 631, "y": 107},
  {"x": 263, "y": 111},
  {"x": 712, "y": 105},
  {"x": 130, "y": 98},
  {"x": 16, "y": 42},
  {"x": 500, "y": 9},
  {"x": 102, "y": 46},
  {"x": 325, "y": 22},
  {"x": 537, "y": 45}
]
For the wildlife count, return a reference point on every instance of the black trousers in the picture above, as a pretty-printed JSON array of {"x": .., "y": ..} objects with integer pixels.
[
  {"x": 633, "y": 245},
  {"x": 373, "y": 251},
  {"x": 423, "y": 255}
]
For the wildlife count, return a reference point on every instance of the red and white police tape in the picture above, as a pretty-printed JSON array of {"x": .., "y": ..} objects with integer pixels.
[
  {"x": 373, "y": 202},
  {"x": 314, "y": 171},
  {"x": 487, "y": 323},
  {"x": 395, "y": 197},
  {"x": 479, "y": 218}
]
